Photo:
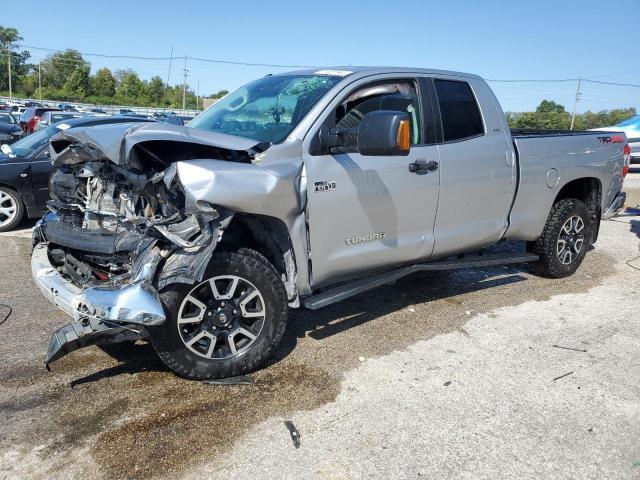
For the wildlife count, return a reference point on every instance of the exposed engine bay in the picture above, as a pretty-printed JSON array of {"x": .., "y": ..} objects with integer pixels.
[
  {"x": 120, "y": 227},
  {"x": 106, "y": 211}
]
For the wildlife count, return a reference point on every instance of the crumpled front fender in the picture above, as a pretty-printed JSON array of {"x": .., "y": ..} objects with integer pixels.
[{"x": 242, "y": 187}]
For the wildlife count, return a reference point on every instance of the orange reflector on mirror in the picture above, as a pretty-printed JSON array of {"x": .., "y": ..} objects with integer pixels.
[{"x": 403, "y": 139}]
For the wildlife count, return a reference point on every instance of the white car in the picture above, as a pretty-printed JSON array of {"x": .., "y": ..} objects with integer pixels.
[{"x": 631, "y": 127}]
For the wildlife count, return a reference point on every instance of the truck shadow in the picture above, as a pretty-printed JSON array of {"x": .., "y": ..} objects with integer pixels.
[
  {"x": 414, "y": 289},
  {"x": 335, "y": 319},
  {"x": 635, "y": 227}
]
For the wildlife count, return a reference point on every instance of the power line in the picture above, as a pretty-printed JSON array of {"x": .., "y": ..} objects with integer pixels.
[
  {"x": 101, "y": 55},
  {"x": 559, "y": 80},
  {"x": 136, "y": 57},
  {"x": 635, "y": 85},
  {"x": 248, "y": 64},
  {"x": 534, "y": 80}
]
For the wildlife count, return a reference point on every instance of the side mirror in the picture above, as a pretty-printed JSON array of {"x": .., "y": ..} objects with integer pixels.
[
  {"x": 384, "y": 133},
  {"x": 6, "y": 149}
]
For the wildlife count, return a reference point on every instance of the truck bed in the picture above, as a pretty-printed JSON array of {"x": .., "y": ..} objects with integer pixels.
[{"x": 548, "y": 159}]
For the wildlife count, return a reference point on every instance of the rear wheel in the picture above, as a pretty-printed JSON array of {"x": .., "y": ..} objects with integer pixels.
[
  {"x": 11, "y": 209},
  {"x": 226, "y": 325},
  {"x": 564, "y": 240}
]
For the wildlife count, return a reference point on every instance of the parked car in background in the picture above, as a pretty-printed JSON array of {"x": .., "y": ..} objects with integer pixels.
[
  {"x": 25, "y": 167},
  {"x": 17, "y": 111},
  {"x": 126, "y": 111},
  {"x": 67, "y": 107},
  {"x": 55, "y": 116},
  {"x": 97, "y": 110},
  {"x": 171, "y": 118},
  {"x": 631, "y": 127},
  {"x": 10, "y": 131},
  {"x": 186, "y": 118},
  {"x": 33, "y": 104},
  {"x": 32, "y": 116}
]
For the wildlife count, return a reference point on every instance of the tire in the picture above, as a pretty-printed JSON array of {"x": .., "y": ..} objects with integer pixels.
[
  {"x": 11, "y": 209},
  {"x": 224, "y": 347},
  {"x": 554, "y": 260}
]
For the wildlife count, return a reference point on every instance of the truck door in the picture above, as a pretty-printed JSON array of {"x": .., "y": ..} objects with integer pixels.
[
  {"x": 371, "y": 212},
  {"x": 477, "y": 167}
]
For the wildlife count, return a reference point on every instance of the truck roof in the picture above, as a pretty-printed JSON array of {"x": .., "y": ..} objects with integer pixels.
[{"x": 345, "y": 71}]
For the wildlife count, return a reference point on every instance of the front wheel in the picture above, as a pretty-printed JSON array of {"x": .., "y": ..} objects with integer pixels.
[
  {"x": 564, "y": 240},
  {"x": 226, "y": 325},
  {"x": 11, "y": 209}
]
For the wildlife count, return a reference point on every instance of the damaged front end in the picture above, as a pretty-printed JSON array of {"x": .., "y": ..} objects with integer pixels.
[{"x": 120, "y": 228}]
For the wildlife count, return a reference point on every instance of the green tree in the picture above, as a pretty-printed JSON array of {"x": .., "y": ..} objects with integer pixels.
[
  {"x": 77, "y": 84},
  {"x": 129, "y": 86},
  {"x": 549, "y": 106},
  {"x": 19, "y": 66},
  {"x": 58, "y": 67},
  {"x": 219, "y": 94},
  {"x": 156, "y": 90},
  {"x": 103, "y": 84}
]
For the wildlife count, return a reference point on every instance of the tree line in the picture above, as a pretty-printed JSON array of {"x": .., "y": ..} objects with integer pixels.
[
  {"x": 551, "y": 115},
  {"x": 66, "y": 76}
]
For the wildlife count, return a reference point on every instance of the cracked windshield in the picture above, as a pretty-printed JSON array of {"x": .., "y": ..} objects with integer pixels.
[{"x": 268, "y": 109}]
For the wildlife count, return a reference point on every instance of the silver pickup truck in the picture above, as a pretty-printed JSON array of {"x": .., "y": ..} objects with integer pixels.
[{"x": 303, "y": 189}]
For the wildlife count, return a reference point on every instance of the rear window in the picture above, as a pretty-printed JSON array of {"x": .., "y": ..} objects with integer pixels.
[{"x": 459, "y": 110}]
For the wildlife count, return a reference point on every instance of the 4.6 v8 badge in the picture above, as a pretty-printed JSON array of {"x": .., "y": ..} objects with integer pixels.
[{"x": 325, "y": 186}]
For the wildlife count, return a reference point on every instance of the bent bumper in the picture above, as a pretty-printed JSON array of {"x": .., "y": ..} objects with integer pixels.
[
  {"x": 136, "y": 303},
  {"x": 616, "y": 205}
]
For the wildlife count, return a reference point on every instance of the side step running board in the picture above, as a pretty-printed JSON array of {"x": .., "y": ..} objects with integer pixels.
[{"x": 355, "y": 287}]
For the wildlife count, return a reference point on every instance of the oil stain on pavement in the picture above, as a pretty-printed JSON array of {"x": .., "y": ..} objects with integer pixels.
[{"x": 127, "y": 416}]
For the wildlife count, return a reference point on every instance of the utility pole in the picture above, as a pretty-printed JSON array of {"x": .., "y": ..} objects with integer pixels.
[
  {"x": 184, "y": 86},
  {"x": 39, "y": 83},
  {"x": 170, "y": 60},
  {"x": 198, "y": 95},
  {"x": 9, "y": 65},
  {"x": 575, "y": 104}
]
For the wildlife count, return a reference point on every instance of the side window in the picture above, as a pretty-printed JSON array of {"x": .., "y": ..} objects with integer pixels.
[
  {"x": 396, "y": 95},
  {"x": 459, "y": 110}
]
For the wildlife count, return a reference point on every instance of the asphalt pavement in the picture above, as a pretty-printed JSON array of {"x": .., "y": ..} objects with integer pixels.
[{"x": 486, "y": 373}]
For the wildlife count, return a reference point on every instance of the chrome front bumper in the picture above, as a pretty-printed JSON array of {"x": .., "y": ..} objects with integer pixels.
[
  {"x": 135, "y": 303},
  {"x": 616, "y": 205}
]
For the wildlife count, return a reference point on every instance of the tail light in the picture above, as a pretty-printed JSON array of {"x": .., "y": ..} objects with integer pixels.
[{"x": 627, "y": 159}]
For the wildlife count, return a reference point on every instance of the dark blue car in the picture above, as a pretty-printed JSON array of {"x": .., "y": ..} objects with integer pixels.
[{"x": 25, "y": 168}]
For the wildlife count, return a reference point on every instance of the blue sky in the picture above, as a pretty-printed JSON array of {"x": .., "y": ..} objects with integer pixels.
[{"x": 537, "y": 39}]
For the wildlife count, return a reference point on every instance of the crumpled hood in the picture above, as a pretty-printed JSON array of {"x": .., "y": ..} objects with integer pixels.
[{"x": 115, "y": 142}]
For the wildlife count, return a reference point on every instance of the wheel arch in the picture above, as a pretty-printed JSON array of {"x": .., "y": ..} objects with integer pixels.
[
  {"x": 268, "y": 236},
  {"x": 589, "y": 191}
]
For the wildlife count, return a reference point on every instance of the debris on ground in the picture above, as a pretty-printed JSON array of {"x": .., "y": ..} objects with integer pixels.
[
  {"x": 237, "y": 380},
  {"x": 570, "y": 348},
  {"x": 5, "y": 311},
  {"x": 562, "y": 376},
  {"x": 293, "y": 431}
]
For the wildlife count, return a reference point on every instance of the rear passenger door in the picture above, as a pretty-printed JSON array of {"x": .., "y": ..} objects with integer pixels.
[{"x": 477, "y": 166}]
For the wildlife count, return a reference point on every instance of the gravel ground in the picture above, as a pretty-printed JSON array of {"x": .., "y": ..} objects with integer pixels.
[{"x": 444, "y": 375}]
